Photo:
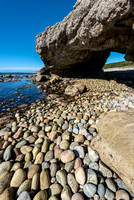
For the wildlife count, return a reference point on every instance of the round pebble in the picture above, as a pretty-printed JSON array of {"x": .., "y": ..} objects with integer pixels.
[{"x": 67, "y": 156}]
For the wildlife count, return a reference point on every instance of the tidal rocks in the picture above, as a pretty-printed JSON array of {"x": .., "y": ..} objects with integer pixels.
[
  {"x": 82, "y": 44},
  {"x": 40, "y": 78},
  {"x": 1, "y": 80},
  {"x": 73, "y": 90},
  {"x": 60, "y": 163},
  {"x": 115, "y": 146}
]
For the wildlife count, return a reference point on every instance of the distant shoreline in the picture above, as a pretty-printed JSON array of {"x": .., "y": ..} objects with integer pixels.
[
  {"x": 18, "y": 72},
  {"x": 118, "y": 69}
]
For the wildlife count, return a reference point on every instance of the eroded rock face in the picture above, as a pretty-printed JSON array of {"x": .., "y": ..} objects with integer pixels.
[
  {"x": 115, "y": 144},
  {"x": 84, "y": 39}
]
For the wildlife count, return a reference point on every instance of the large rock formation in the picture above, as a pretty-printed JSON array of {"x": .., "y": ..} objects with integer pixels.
[
  {"x": 84, "y": 39},
  {"x": 115, "y": 144}
]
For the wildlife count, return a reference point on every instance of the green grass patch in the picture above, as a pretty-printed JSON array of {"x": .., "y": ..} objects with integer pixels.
[{"x": 123, "y": 64}]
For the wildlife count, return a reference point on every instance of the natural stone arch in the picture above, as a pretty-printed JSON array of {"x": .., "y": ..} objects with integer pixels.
[
  {"x": 82, "y": 42},
  {"x": 116, "y": 57}
]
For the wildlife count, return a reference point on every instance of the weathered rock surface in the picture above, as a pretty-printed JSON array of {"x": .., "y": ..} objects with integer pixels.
[
  {"x": 115, "y": 144},
  {"x": 75, "y": 89},
  {"x": 84, "y": 39},
  {"x": 8, "y": 194}
]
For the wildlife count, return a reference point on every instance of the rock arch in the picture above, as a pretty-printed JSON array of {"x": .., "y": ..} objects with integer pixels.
[{"x": 82, "y": 42}]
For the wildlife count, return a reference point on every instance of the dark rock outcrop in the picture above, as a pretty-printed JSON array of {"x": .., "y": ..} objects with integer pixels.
[{"x": 84, "y": 39}]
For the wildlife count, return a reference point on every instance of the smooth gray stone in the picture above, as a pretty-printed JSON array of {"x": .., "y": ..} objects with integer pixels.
[
  {"x": 69, "y": 166},
  {"x": 89, "y": 190},
  {"x": 122, "y": 185},
  {"x": 94, "y": 166},
  {"x": 109, "y": 194},
  {"x": 7, "y": 154},
  {"x": 101, "y": 190},
  {"x": 4, "y": 131},
  {"x": 73, "y": 145},
  {"x": 111, "y": 184},
  {"x": 76, "y": 130},
  {"x": 21, "y": 143},
  {"x": 91, "y": 177},
  {"x": 79, "y": 151},
  {"x": 24, "y": 196},
  {"x": 86, "y": 159}
]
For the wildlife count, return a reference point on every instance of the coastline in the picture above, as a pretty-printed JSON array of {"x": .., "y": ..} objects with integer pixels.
[
  {"x": 119, "y": 69},
  {"x": 32, "y": 145},
  {"x": 17, "y": 93}
]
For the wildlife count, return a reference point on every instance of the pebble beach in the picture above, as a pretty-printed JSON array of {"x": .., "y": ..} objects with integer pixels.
[{"x": 45, "y": 152}]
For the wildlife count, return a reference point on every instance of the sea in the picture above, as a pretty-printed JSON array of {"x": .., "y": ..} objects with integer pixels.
[{"x": 14, "y": 94}]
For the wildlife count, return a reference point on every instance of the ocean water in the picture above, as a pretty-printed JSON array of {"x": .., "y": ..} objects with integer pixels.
[
  {"x": 16, "y": 93},
  {"x": 17, "y": 73}
]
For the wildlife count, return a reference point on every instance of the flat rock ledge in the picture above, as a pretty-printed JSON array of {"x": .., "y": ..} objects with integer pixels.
[{"x": 115, "y": 144}]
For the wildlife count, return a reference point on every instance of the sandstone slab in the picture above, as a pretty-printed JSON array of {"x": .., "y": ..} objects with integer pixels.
[{"x": 115, "y": 144}]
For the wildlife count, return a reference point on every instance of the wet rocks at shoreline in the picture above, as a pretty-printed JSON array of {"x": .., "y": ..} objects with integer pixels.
[
  {"x": 9, "y": 77},
  {"x": 13, "y": 78},
  {"x": 48, "y": 147},
  {"x": 18, "y": 95}
]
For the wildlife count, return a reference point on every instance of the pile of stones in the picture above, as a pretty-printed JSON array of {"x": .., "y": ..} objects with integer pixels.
[{"x": 46, "y": 154}]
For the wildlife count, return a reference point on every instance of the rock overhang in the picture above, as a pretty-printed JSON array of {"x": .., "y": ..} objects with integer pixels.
[{"x": 82, "y": 42}]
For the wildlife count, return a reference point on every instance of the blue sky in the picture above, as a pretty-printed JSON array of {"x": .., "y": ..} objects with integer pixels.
[{"x": 20, "y": 22}]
